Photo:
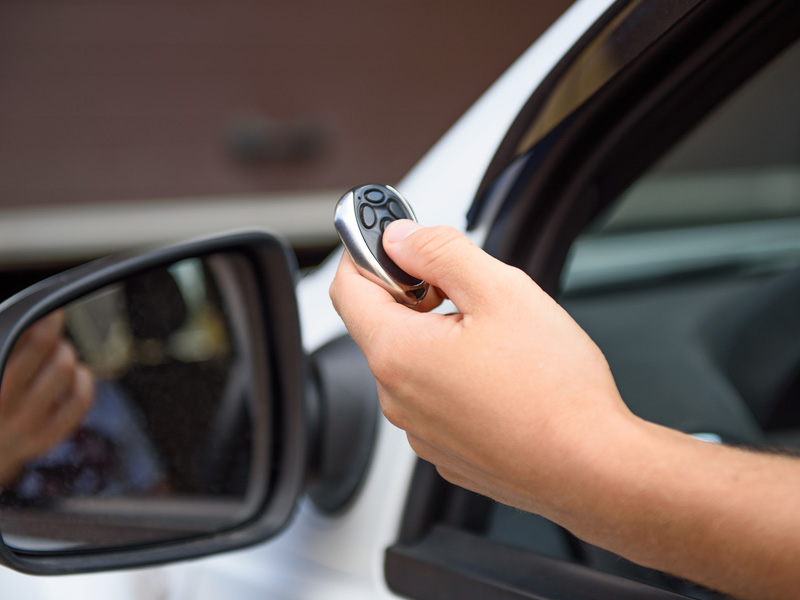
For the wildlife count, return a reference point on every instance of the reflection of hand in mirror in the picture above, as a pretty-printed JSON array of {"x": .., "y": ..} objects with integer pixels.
[{"x": 45, "y": 392}]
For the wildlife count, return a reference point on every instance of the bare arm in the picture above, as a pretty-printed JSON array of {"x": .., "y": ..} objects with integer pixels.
[
  {"x": 511, "y": 399},
  {"x": 723, "y": 517}
]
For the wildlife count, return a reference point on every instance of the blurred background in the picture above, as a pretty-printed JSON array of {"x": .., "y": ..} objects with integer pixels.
[{"x": 128, "y": 123}]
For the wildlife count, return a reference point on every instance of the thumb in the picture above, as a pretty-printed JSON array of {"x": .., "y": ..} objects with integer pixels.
[{"x": 445, "y": 258}]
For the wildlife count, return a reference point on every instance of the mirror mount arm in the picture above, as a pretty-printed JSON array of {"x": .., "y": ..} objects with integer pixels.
[{"x": 343, "y": 420}]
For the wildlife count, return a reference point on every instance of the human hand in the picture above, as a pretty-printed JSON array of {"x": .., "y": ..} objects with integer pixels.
[
  {"x": 504, "y": 397},
  {"x": 511, "y": 399},
  {"x": 44, "y": 394}
]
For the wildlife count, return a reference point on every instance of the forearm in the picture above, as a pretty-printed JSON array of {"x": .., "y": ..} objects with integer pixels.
[{"x": 720, "y": 516}]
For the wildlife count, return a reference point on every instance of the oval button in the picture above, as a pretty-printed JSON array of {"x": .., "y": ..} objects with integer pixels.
[
  {"x": 367, "y": 216},
  {"x": 375, "y": 196},
  {"x": 385, "y": 222},
  {"x": 396, "y": 210}
]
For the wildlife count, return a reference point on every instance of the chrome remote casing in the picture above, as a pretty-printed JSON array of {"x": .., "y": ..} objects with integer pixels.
[{"x": 360, "y": 217}]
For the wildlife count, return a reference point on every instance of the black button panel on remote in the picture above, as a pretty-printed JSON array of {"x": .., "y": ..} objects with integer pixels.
[
  {"x": 361, "y": 217},
  {"x": 375, "y": 202}
]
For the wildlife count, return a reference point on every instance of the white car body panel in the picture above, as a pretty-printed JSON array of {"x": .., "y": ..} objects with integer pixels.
[{"x": 341, "y": 557}]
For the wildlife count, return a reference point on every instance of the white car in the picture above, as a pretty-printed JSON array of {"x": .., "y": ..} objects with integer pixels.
[{"x": 641, "y": 162}]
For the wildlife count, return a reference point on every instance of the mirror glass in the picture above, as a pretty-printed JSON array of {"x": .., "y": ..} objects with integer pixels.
[{"x": 139, "y": 412}]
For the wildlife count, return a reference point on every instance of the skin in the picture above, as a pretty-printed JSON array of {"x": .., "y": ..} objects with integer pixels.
[
  {"x": 44, "y": 394},
  {"x": 511, "y": 399}
]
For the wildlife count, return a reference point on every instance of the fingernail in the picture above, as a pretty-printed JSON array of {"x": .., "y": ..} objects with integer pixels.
[{"x": 400, "y": 230}]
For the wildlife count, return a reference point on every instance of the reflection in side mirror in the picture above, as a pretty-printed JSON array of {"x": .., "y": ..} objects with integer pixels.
[
  {"x": 137, "y": 398},
  {"x": 145, "y": 411}
]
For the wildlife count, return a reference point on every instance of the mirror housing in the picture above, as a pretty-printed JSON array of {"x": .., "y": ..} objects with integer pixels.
[{"x": 281, "y": 421}]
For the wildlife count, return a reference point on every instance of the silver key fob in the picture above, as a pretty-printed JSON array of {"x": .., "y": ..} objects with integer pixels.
[{"x": 361, "y": 216}]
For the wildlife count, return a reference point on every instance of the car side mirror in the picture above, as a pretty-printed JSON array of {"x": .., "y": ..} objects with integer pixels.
[{"x": 152, "y": 407}]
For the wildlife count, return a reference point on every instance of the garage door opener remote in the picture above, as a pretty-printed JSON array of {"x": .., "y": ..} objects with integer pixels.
[{"x": 361, "y": 217}]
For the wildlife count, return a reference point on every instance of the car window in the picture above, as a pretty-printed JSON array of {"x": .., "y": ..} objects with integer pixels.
[
  {"x": 729, "y": 193},
  {"x": 741, "y": 164},
  {"x": 690, "y": 284},
  {"x": 688, "y": 281}
]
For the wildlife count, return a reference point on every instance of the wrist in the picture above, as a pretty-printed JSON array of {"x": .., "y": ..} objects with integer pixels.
[
  {"x": 649, "y": 490},
  {"x": 610, "y": 465}
]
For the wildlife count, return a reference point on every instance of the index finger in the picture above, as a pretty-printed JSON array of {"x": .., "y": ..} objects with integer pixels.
[
  {"x": 30, "y": 353},
  {"x": 364, "y": 306}
]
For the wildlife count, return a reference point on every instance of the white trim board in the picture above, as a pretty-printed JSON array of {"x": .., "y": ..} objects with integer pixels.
[{"x": 80, "y": 232}]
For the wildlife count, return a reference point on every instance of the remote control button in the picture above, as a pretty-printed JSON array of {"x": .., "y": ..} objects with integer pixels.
[
  {"x": 396, "y": 210},
  {"x": 367, "y": 216},
  {"x": 385, "y": 222},
  {"x": 374, "y": 196}
]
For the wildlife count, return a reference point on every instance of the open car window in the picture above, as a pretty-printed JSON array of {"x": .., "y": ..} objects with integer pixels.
[
  {"x": 690, "y": 284},
  {"x": 688, "y": 280}
]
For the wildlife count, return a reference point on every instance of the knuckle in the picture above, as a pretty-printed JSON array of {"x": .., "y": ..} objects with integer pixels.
[
  {"x": 383, "y": 365},
  {"x": 395, "y": 415},
  {"x": 448, "y": 475},
  {"x": 516, "y": 277},
  {"x": 440, "y": 249},
  {"x": 393, "y": 408},
  {"x": 387, "y": 376},
  {"x": 436, "y": 242},
  {"x": 84, "y": 388},
  {"x": 40, "y": 337},
  {"x": 377, "y": 350},
  {"x": 519, "y": 285},
  {"x": 388, "y": 366},
  {"x": 65, "y": 360},
  {"x": 333, "y": 293},
  {"x": 417, "y": 445}
]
